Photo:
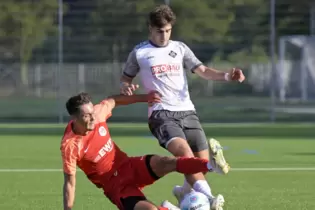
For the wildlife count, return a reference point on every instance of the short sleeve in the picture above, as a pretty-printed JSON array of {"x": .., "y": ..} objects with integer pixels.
[
  {"x": 191, "y": 62},
  {"x": 69, "y": 153},
  {"x": 131, "y": 67},
  {"x": 103, "y": 111}
]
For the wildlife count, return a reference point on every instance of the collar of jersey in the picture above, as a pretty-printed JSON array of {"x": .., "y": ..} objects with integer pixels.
[{"x": 154, "y": 45}]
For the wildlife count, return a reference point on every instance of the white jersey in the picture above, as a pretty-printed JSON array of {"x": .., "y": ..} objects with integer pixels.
[{"x": 162, "y": 69}]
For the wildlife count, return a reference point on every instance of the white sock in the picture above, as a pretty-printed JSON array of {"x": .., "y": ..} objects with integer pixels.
[
  {"x": 186, "y": 187},
  {"x": 202, "y": 186}
]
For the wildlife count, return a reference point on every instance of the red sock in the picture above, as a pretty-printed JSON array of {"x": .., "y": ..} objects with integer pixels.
[
  {"x": 163, "y": 208},
  {"x": 191, "y": 165}
]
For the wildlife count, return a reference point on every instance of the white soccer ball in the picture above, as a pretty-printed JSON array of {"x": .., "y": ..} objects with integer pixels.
[{"x": 195, "y": 201}]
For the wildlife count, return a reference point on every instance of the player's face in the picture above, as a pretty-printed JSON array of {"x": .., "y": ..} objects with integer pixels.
[
  {"x": 161, "y": 36},
  {"x": 86, "y": 117}
]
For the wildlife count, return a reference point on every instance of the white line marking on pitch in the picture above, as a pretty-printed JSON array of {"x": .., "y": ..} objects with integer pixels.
[
  {"x": 232, "y": 169},
  {"x": 29, "y": 170}
]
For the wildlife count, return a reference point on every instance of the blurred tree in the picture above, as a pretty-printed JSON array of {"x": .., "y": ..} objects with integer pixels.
[
  {"x": 120, "y": 27},
  {"x": 24, "y": 25},
  {"x": 123, "y": 23},
  {"x": 80, "y": 44},
  {"x": 106, "y": 30},
  {"x": 246, "y": 32},
  {"x": 201, "y": 20},
  {"x": 293, "y": 17},
  {"x": 249, "y": 34}
]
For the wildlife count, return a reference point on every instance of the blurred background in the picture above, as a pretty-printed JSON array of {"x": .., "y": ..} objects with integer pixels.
[{"x": 50, "y": 50}]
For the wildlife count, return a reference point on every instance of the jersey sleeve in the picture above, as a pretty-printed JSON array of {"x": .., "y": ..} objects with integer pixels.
[
  {"x": 103, "y": 110},
  {"x": 131, "y": 67},
  {"x": 191, "y": 62},
  {"x": 69, "y": 153}
]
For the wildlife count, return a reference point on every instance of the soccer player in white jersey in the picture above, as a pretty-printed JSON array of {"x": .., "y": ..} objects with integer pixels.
[{"x": 160, "y": 62}]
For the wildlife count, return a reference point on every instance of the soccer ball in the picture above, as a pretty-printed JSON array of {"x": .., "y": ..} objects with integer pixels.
[{"x": 195, "y": 201}]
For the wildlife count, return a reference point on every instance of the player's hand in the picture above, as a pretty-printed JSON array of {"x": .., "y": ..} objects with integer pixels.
[
  {"x": 128, "y": 89},
  {"x": 154, "y": 97},
  {"x": 237, "y": 75}
]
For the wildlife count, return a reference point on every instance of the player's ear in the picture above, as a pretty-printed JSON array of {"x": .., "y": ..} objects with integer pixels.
[{"x": 150, "y": 28}]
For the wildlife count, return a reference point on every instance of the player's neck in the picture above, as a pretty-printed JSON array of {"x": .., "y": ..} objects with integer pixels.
[
  {"x": 156, "y": 45},
  {"x": 78, "y": 130}
]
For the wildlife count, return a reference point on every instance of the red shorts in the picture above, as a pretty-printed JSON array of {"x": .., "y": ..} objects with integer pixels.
[{"x": 130, "y": 179}]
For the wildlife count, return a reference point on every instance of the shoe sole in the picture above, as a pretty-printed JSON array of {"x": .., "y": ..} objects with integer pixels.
[{"x": 217, "y": 151}]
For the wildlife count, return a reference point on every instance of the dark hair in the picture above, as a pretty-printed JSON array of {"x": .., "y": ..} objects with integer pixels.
[
  {"x": 161, "y": 15},
  {"x": 73, "y": 104}
]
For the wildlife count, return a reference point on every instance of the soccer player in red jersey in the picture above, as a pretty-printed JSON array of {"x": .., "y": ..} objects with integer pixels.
[{"x": 87, "y": 144}]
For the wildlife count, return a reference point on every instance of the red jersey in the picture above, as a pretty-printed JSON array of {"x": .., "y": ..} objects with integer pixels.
[{"x": 95, "y": 154}]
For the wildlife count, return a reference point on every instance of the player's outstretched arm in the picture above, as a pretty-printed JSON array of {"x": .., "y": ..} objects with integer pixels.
[
  {"x": 119, "y": 100},
  {"x": 68, "y": 191},
  {"x": 192, "y": 63},
  {"x": 104, "y": 109},
  {"x": 213, "y": 74}
]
